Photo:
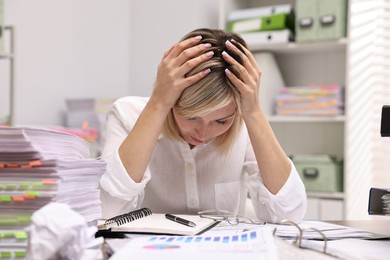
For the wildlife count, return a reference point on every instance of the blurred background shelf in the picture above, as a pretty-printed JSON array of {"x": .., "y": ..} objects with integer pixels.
[{"x": 7, "y": 63}]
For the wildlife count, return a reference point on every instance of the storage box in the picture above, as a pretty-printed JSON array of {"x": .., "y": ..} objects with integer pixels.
[
  {"x": 320, "y": 19},
  {"x": 320, "y": 173},
  {"x": 265, "y": 23},
  {"x": 265, "y": 37}
]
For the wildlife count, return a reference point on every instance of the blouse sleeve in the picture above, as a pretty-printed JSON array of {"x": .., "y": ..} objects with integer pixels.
[
  {"x": 289, "y": 203},
  {"x": 119, "y": 193}
]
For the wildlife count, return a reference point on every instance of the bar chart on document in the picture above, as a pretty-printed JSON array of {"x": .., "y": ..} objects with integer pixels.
[{"x": 254, "y": 244}]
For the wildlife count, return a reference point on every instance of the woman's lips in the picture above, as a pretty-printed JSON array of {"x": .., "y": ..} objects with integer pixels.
[{"x": 197, "y": 140}]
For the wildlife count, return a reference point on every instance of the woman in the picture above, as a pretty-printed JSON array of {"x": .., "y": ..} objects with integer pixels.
[{"x": 201, "y": 141}]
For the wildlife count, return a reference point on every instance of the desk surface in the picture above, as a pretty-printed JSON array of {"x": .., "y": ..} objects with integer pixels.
[{"x": 379, "y": 226}]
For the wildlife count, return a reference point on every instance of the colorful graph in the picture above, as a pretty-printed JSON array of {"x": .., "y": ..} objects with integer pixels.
[{"x": 161, "y": 246}]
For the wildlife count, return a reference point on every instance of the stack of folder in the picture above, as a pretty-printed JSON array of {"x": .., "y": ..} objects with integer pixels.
[
  {"x": 86, "y": 117},
  {"x": 39, "y": 166},
  {"x": 316, "y": 100},
  {"x": 261, "y": 25}
]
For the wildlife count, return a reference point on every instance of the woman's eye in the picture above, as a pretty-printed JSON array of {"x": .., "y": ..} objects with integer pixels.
[{"x": 222, "y": 122}]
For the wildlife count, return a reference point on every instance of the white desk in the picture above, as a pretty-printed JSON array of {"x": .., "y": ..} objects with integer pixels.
[
  {"x": 356, "y": 247},
  {"x": 380, "y": 226}
]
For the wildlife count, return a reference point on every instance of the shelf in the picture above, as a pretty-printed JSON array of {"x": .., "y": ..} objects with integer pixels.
[
  {"x": 305, "y": 119},
  {"x": 293, "y": 47},
  {"x": 325, "y": 195},
  {"x": 6, "y": 56}
]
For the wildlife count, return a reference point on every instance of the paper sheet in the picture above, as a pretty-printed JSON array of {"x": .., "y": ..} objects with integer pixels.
[{"x": 255, "y": 244}]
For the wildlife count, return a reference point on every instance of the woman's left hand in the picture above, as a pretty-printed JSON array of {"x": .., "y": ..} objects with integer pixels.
[{"x": 248, "y": 82}]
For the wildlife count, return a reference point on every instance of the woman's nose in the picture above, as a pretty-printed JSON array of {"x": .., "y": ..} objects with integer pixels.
[{"x": 201, "y": 131}]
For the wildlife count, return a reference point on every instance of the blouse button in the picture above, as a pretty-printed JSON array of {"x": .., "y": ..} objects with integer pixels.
[{"x": 189, "y": 166}]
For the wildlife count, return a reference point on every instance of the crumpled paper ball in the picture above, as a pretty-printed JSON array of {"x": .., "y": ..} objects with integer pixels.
[{"x": 58, "y": 232}]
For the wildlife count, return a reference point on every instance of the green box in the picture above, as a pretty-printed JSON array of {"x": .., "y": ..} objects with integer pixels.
[
  {"x": 277, "y": 22},
  {"x": 320, "y": 173},
  {"x": 320, "y": 20},
  {"x": 265, "y": 23}
]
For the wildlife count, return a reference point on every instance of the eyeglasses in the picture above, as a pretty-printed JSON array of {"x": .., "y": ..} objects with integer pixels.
[{"x": 229, "y": 217}]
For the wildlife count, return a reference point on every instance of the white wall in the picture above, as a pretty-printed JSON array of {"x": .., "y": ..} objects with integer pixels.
[
  {"x": 155, "y": 26},
  {"x": 93, "y": 48},
  {"x": 67, "y": 49}
]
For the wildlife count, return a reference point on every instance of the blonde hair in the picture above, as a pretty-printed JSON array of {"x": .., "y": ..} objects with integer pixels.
[{"x": 213, "y": 91}]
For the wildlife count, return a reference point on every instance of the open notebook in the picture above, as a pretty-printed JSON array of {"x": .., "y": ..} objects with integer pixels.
[{"x": 144, "y": 221}]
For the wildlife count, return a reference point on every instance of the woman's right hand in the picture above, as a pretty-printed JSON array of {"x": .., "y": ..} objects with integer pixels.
[{"x": 180, "y": 59}]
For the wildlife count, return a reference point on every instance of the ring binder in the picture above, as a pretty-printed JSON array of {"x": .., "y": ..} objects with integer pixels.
[
  {"x": 128, "y": 217},
  {"x": 299, "y": 238}
]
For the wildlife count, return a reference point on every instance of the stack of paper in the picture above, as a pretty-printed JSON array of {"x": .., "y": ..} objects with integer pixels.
[
  {"x": 260, "y": 25},
  {"x": 39, "y": 166},
  {"x": 386, "y": 203},
  {"x": 316, "y": 100}
]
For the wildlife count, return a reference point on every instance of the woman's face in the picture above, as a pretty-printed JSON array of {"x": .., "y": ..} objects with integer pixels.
[{"x": 200, "y": 130}]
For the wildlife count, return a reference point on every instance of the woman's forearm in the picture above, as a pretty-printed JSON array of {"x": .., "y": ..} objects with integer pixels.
[
  {"x": 273, "y": 163},
  {"x": 135, "y": 151}
]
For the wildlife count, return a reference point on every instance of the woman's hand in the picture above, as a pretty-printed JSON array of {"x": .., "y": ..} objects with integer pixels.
[
  {"x": 180, "y": 59},
  {"x": 274, "y": 166},
  {"x": 248, "y": 82}
]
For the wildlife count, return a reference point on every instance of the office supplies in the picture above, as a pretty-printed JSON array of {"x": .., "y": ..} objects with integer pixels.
[
  {"x": 320, "y": 230},
  {"x": 320, "y": 172},
  {"x": 127, "y": 217},
  {"x": 12, "y": 253},
  {"x": 315, "y": 99},
  {"x": 255, "y": 244},
  {"x": 266, "y": 23},
  {"x": 356, "y": 248},
  {"x": 39, "y": 166},
  {"x": 385, "y": 121},
  {"x": 180, "y": 220},
  {"x": 247, "y": 13},
  {"x": 254, "y": 39},
  {"x": 378, "y": 201},
  {"x": 145, "y": 222},
  {"x": 379, "y": 198},
  {"x": 229, "y": 217},
  {"x": 58, "y": 232},
  {"x": 320, "y": 20}
]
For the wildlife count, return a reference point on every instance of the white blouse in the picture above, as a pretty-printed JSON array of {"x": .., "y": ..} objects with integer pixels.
[{"x": 183, "y": 180}]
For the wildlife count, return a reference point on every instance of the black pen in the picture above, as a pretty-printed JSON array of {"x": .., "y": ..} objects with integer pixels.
[{"x": 180, "y": 220}]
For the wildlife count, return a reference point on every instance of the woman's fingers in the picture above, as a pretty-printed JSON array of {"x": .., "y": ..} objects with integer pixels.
[
  {"x": 249, "y": 66},
  {"x": 187, "y": 49},
  {"x": 178, "y": 61},
  {"x": 247, "y": 81},
  {"x": 248, "y": 54}
]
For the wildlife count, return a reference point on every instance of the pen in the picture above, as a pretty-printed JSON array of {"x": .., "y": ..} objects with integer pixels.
[{"x": 180, "y": 220}]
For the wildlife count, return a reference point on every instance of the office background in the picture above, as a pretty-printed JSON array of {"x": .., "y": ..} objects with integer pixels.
[
  {"x": 107, "y": 49},
  {"x": 92, "y": 48}
]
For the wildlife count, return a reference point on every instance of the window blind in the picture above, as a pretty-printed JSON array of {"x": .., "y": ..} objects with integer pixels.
[{"x": 367, "y": 155}]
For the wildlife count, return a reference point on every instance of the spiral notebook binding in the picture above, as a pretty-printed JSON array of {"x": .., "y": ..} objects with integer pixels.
[{"x": 128, "y": 217}]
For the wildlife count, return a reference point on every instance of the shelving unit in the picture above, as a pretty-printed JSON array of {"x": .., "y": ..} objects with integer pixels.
[
  {"x": 302, "y": 64},
  {"x": 9, "y": 56}
]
